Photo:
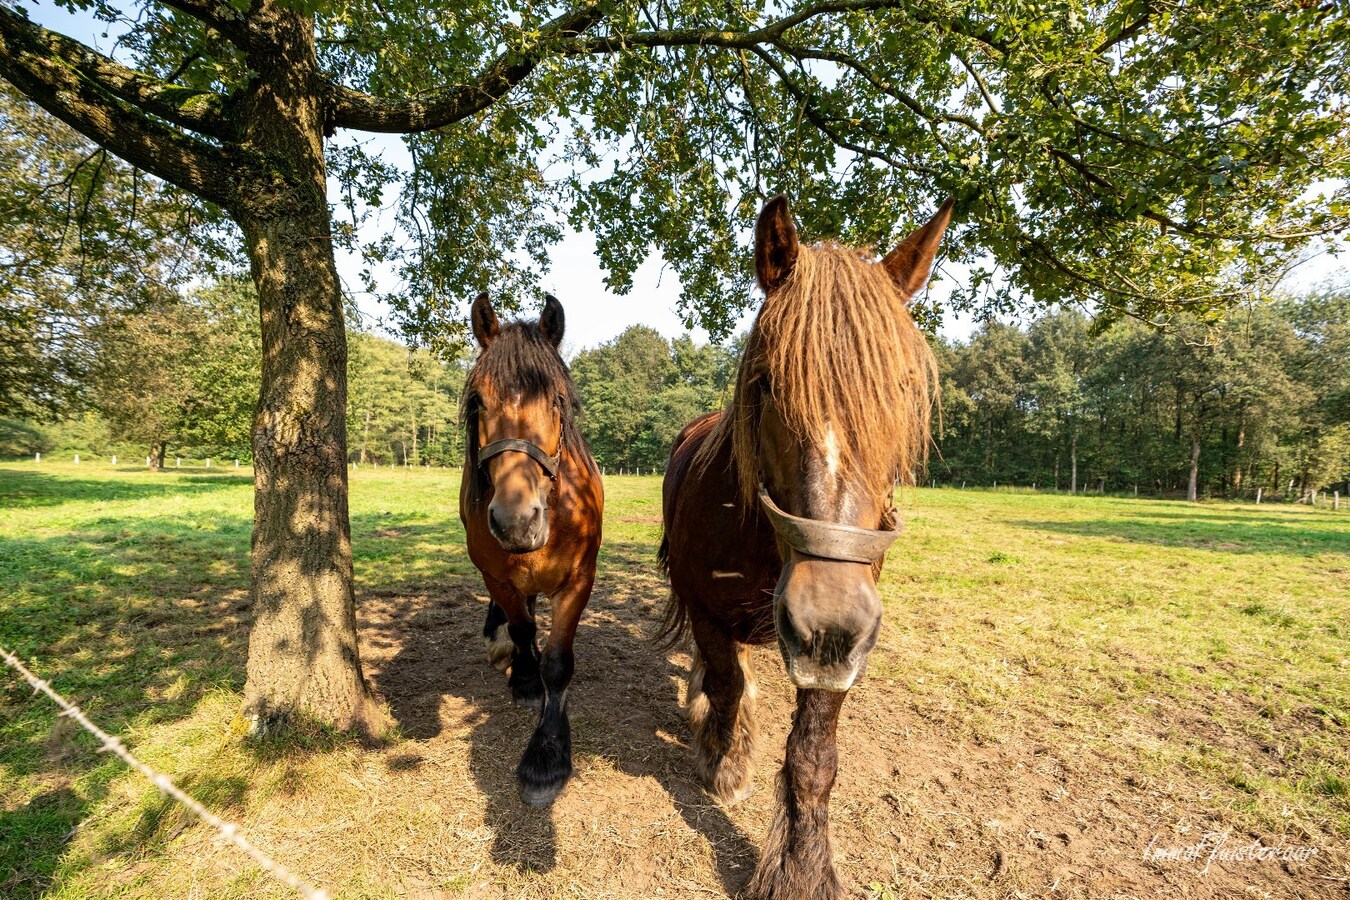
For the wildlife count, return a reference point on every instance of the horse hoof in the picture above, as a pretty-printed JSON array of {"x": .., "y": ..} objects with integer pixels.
[
  {"x": 540, "y": 796},
  {"x": 733, "y": 796},
  {"x": 529, "y": 696}
]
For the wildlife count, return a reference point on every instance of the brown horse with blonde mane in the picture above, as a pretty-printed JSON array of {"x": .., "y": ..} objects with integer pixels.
[
  {"x": 778, "y": 511},
  {"x": 531, "y": 504}
]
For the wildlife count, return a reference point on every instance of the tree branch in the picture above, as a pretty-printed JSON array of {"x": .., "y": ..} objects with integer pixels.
[
  {"x": 772, "y": 32},
  {"x": 76, "y": 97},
  {"x": 823, "y": 124},
  {"x": 221, "y": 16},
  {"x": 202, "y": 111},
  {"x": 354, "y": 109}
]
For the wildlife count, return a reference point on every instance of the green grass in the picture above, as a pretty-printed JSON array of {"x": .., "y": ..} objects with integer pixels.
[{"x": 1208, "y": 642}]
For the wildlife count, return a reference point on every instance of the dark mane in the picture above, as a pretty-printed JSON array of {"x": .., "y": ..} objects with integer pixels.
[
  {"x": 520, "y": 361},
  {"x": 840, "y": 350}
]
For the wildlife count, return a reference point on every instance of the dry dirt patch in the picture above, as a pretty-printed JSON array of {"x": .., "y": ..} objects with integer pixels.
[{"x": 916, "y": 811}]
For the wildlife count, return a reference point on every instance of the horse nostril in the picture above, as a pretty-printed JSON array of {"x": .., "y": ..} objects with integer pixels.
[{"x": 494, "y": 521}]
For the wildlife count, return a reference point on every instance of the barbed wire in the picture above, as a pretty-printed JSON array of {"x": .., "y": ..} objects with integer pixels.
[{"x": 110, "y": 744}]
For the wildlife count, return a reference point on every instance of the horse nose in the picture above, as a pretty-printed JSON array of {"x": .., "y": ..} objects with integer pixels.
[
  {"x": 518, "y": 529},
  {"x": 827, "y": 615}
]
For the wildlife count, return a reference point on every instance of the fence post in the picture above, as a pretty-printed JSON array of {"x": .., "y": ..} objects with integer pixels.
[
  {"x": 37, "y": 457},
  {"x": 178, "y": 462},
  {"x": 208, "y": 462},
  {"x": 114, "y": 459},
  {"x": 1336, "y": 500},
  {"x": 236, "y": 463},
  {"x": 77, "y": 459},
  {"x": 147, "y": 462},
  {"x": 1258, "y": 496}
]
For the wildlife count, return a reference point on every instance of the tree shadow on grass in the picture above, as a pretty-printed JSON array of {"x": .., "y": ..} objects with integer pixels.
[
  {"x": 32, "y": 839},
  {"x": 29, "y": 489},
  {"x": 1216, "y": 534},
  {"x": 624, "y": 701}
]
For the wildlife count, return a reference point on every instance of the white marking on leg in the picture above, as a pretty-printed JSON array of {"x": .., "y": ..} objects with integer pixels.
[{"x": 499, "y": 648}]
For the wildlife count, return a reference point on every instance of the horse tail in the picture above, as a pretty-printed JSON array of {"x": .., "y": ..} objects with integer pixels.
[{"x": 674, "y": 629}]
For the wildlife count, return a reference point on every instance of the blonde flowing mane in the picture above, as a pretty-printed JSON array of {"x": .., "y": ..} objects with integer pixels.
[{"x": 840, "y": 350}]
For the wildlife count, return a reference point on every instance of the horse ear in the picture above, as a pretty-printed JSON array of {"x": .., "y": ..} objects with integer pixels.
[
  {"x": 775, "y": 244},
  {"x": 484, "y": 320},
  {"x": 910, "y": 264},
  {"x": 552, "y": 320}
]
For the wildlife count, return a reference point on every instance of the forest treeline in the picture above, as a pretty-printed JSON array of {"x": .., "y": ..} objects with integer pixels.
[{"x": 1259, "y": 398}]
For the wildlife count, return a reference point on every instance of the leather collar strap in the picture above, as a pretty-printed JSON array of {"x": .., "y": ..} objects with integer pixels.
[
  {"x": 828, "y": 540},
  {"x": 549, "y": 463}
]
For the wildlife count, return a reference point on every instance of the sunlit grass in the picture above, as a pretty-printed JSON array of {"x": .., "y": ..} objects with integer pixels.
[{"x": 1205, "y": 641}]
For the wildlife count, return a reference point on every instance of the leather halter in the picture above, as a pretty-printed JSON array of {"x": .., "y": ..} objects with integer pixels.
[
  {"x": 548, "y": 463},
  {"x": 829, "y": 540}
]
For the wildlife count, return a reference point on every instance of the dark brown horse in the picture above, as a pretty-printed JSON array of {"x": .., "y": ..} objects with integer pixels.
[
  {"x": 531, "y": 504},
  {"x": 778, "y": 511}
]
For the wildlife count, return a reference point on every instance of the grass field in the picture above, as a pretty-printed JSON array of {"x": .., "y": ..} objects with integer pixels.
[{"x": 1064, "y": 685}]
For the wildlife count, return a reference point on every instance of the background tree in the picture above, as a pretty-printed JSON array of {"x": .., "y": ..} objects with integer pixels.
[
  {"x": 86, "y": 239},
  {"x": 184, "y": 373},
  {"x": 404, "y": 405},
  {"x": 1094, "y": 149},
  {"x": 1219, "y": 407},
  {"x": 639, "y": 390}
]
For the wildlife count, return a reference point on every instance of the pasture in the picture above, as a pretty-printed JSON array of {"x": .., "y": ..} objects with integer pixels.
[{"x": 1065, "y": 688}]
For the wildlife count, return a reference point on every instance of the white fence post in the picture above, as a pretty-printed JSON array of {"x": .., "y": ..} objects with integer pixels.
[
  {"x": 236, "y": 463},
  {"x": 178, "y": 461},
  {"x": 208, "y": 462},
  {"x": 37, "y": 457},
  {"x": 114, "y": 459},
  {"x": 1258, "y": 496},
  {"x": 77, "y": 459},
  {"x": 1336, "y": 500},
  {"x": 147, "y": 462}
]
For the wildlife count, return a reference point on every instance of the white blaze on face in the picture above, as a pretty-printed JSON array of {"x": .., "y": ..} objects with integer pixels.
[{"x": 832, "y": 452}]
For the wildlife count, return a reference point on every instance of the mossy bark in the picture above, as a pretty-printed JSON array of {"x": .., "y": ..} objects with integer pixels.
[{"x": 303, "y": 658}]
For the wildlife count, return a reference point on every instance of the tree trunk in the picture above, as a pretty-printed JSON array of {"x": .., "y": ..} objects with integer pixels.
[
  {"x": 157, "y": 451},
  {"x": 1241, "y": 439},
  {"x": 365, "y": 438},
  {"x": 1073, "y": 463},
  {"x": 1192, "y": 486},
  {"x": 303, "y": 658}
]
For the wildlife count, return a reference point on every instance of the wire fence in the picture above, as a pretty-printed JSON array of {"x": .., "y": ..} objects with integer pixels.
[{"x": 109, "y": 744}]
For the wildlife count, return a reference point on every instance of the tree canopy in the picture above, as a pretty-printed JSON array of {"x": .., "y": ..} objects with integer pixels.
[
  {"x": 86, "y": 239},
  {"x": 1146, "y": 155}
]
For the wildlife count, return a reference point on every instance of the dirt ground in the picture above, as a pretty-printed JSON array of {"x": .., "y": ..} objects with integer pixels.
[{"x": 916, "y": 812}]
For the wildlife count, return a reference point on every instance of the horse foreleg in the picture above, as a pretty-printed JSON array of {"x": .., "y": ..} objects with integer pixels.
[
  {"x": 796, "y": 863},
  {"x": 721, "y": 709},
  {"x": 547, "y": 764},
  {"x": 518, "y": 612}
]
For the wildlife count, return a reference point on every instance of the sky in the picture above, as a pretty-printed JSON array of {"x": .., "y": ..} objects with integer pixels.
[{"x": 594, "y": 314}]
